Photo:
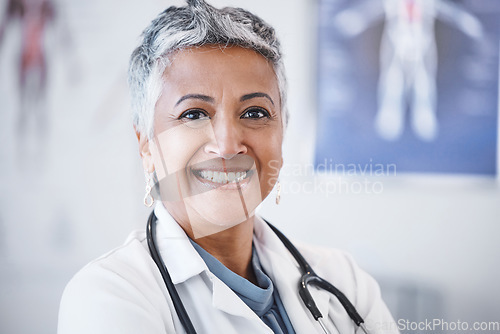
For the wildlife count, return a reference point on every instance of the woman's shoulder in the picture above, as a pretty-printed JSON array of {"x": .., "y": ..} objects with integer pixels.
[
  {"x": 126, "y": 258},
  {"x": 332, "y": 262},
  {"x": 317, "y": 253},
  {"x": 108, "y": 286},
  {"x": 335, "y": 263}
]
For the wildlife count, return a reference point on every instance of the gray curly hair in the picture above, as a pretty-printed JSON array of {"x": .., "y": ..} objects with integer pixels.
[{"x": 195, "y": 25}]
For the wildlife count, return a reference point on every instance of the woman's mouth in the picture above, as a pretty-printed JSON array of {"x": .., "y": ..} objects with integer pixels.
[{"x": 220, "y": 178}]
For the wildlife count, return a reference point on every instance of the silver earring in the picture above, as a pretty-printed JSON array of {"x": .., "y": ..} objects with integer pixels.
[
  {"x": 278, "y": 192},
  {"x": 148, "y": 198}
]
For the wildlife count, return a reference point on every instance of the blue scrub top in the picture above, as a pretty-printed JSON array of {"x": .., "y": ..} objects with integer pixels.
[{"x": 263, "y": 299}]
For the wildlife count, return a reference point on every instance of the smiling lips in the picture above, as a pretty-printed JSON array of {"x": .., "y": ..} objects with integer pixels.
[{"x": 222, "y": 177}]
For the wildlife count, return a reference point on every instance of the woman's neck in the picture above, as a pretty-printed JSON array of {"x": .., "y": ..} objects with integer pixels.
[{"x": 231, "y": 246}]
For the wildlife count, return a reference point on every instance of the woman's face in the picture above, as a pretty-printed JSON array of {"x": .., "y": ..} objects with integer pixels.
[{"x": 218, "y": 136}]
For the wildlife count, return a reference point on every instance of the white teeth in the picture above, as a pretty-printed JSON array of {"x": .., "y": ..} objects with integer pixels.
[{"x": 221, "y": 177}]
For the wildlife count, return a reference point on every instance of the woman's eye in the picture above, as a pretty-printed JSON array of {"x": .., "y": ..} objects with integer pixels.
[
  {"x": 255, "y": 113},
  {"x": 193, "y": 115}
]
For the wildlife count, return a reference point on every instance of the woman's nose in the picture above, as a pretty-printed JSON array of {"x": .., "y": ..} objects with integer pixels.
[{"x": 228, "y": 139}]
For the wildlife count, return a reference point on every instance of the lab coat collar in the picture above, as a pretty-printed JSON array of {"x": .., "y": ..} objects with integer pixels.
[
  {"x": 175, "y": 248},
  {"x": 284, "y": 271},
  {"x": 184, "y": 262}
]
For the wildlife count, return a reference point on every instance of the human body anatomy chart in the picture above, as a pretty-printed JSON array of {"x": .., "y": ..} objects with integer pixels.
[{"x": 409, "y": 74}]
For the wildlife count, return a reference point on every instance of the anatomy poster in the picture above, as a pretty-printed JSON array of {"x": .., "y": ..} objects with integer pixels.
[{"x": 409, "y": 82}]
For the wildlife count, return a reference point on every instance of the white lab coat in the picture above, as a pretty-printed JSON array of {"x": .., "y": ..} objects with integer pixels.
[{"x": 123, "y": 291}]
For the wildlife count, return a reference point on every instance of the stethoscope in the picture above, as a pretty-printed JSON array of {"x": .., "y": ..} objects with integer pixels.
[{"x": 308, "y": 277}]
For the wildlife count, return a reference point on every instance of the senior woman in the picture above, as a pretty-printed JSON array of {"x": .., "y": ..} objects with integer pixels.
[{"x": 209, "y": 99}]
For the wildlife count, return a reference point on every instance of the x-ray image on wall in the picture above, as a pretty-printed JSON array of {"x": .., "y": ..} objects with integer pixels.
[{"x": 409, "y": 82}]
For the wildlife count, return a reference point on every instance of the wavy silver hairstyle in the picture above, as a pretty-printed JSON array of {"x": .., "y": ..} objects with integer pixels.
[{"x": 196, "y": 24}]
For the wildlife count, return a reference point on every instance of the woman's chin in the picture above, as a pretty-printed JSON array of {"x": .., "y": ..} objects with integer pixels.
[{"x": 219, "y": 209}]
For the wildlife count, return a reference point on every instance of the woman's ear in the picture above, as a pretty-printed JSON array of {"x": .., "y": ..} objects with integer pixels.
[{"x": 145, "y": 151}]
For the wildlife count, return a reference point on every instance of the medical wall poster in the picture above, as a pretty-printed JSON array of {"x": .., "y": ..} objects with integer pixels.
[{"x": 411, "y": 83}]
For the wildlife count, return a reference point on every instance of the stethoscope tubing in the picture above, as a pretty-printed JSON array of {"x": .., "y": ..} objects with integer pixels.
[
  {"x": 176, "y": 300},
  {"x": 308, "y": 277}
]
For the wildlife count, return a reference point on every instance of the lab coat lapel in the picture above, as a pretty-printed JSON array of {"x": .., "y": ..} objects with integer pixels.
[
  {"x": 184, "y": 262},
  {"x": 227, "y": 301},
  {"x": 177, "y": 253},
  {"x": 285, "y": 273}
]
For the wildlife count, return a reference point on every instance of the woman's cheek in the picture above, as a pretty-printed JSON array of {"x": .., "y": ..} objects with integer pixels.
[{"x": 178, "y": 145}]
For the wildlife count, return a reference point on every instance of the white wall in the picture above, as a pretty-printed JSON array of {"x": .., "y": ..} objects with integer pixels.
[{"x": 435, "y": 234}]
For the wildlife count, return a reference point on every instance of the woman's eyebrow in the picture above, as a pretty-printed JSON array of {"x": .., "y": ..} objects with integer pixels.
[
  {"x": 254, "y": 95},
  {"x": 196, "y": 96}
]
